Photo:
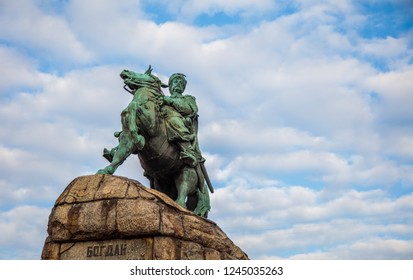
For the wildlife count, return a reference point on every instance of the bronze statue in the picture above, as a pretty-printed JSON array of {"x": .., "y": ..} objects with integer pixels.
[{"x": 162, "y": 131}]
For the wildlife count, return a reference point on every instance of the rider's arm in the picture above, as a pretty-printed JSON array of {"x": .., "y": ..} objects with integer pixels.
[{"x": 185, "y": 105}]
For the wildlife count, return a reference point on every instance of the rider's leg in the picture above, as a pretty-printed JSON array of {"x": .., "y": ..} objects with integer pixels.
[{"x": 188, "y": 153}]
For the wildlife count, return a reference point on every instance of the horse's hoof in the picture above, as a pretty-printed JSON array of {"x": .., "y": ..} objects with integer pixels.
[
  {"x": 180, "y": 203},
  {"x": 202, "y": 213},
  {"x": 109, "y": 170},
  {"x": 108, "y": 154}
]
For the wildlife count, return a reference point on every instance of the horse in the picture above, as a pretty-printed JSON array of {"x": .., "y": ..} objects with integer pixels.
[{"x": 144, "y": 133}]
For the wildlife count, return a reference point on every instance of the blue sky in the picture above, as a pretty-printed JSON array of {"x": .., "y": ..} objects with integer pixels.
[{"x": 305, "y": 114}]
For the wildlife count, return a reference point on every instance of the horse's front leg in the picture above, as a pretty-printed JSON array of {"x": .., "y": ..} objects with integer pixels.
[
  {"x": 147, "y": 114},
  {"x": 186, "y": 183},
  {"x": 122, "y": 152}
]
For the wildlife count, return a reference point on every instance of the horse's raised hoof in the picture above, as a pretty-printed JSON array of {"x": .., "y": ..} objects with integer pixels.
[{"x": 109, "y": 154}]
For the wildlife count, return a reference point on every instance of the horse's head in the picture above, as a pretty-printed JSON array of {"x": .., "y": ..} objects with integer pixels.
[{"x": 137, "y": 80}]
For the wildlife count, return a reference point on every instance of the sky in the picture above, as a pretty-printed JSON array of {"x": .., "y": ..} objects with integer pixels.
[{"x": 306, "y": 119}]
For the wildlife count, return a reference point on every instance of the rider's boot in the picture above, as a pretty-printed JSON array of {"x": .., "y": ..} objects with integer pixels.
[{"x": 188, "y": 154}]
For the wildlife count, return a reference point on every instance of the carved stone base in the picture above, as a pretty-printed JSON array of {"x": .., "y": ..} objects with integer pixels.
[{"x": 110, "y": 217}]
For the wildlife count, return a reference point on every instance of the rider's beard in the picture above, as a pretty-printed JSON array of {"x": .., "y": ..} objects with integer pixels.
[{"x": 178, "y": 89}]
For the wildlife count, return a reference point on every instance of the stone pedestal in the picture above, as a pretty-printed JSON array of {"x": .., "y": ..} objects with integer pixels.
[{"x": 100, "y": 217}]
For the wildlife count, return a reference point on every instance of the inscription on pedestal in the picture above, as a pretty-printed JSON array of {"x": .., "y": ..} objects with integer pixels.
[
  {"x": 116, "y": 249},
  {"x": 106, "y": 250}
]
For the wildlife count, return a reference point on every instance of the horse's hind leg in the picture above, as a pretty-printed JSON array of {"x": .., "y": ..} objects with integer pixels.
[
  {"x": 203, "y": 205},
  {"x": 186, "y": 183}
]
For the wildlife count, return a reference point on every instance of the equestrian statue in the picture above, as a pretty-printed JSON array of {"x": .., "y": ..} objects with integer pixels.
[{"x": 163, "y": 131}]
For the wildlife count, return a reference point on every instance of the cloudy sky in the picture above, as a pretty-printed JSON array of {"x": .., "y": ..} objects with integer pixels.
[{"x": 306, "y": 114}]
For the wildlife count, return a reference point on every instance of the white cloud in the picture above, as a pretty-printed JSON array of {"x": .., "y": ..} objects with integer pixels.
[
  {"x": 24, "y": 23},
  {"x": 372, "y": 249},
  {"x": 394, "y": 90},
  {"x": 371, "y": 172},
  {"x": 249, "y": 137},
  {"x": 17, "y": 70},
  {"x": 66, "y": 105},
  {"x": 298, "y": 204},
  {"x": 23, "y": 225},
  {"x": 298, "y": 161},
  {"x": 109, "y": 29},
  {"x": 264, "y": 219},
  {"x": 388, "y": 47},
  {"x": 402, "y": 145}
]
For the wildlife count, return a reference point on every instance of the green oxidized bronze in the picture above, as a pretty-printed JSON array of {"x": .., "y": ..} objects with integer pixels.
[{"x": 162, "y": 131}]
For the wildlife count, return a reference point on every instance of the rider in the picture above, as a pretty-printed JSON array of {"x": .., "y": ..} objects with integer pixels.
[{"x": 180, "y": 120}]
